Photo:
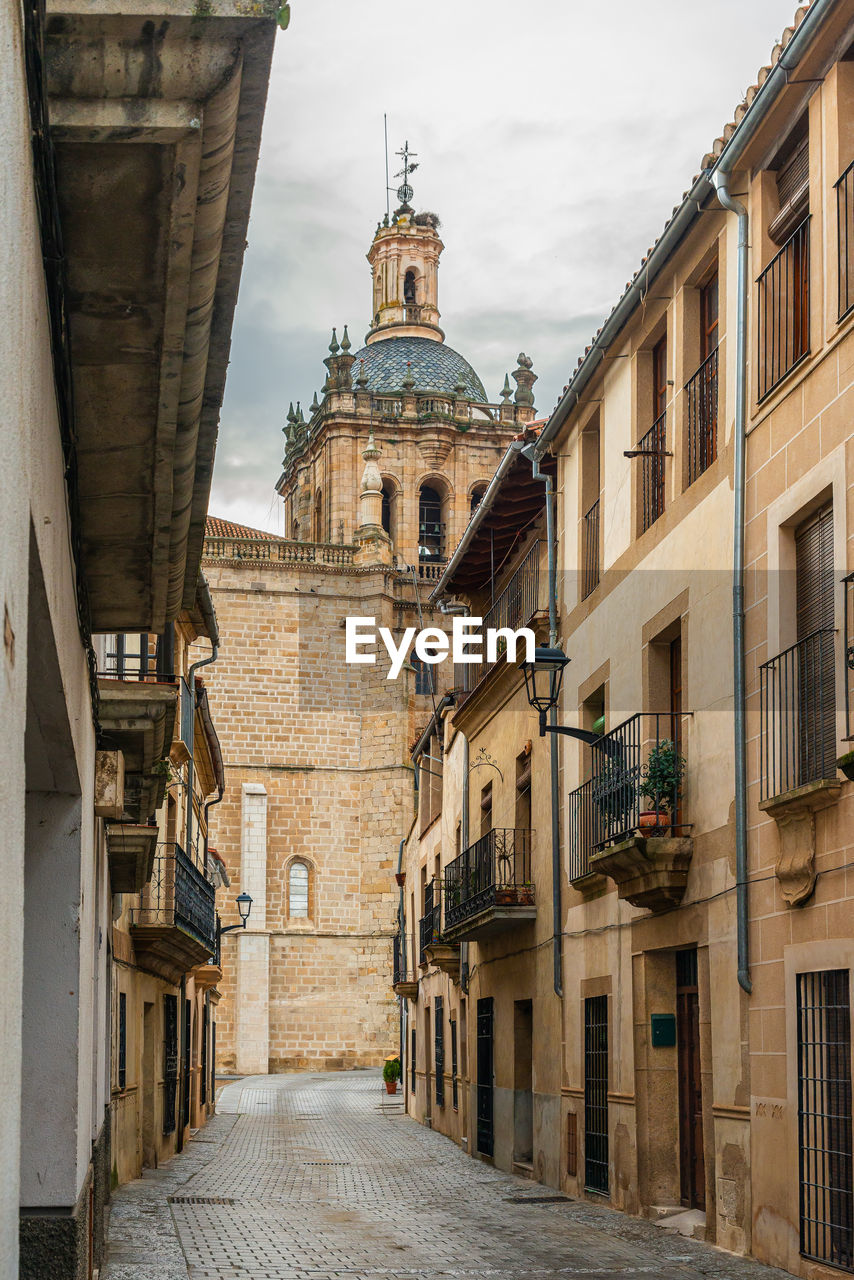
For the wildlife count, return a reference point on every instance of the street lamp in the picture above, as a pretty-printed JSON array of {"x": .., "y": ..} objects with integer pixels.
[
  {"x": 543, "y": 678},
  {"x": 244, "y": 906}
]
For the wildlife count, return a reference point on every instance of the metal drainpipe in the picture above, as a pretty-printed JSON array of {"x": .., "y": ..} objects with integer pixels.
[
  {"x": 191, "y": 681},
  {"x": 557, "y": 910},
  {"x": 721, "y": 183}
]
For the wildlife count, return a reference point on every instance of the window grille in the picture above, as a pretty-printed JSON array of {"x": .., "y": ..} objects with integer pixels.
[
  {"x": 596, "y": 1094},
  {"x": 824, "y": 1117}
]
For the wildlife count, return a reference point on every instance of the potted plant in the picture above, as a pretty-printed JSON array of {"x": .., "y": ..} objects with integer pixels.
[
  {"x": 391, "y": 1074},
  {"x": 661, "y": 784}
]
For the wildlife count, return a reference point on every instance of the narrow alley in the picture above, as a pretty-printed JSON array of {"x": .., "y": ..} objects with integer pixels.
[{"x": 323, "y": 1175}]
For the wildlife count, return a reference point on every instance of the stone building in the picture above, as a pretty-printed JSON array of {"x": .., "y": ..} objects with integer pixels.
[
  {"x": 130, "y": 139},
  {"x": 378, "y": 483},
  {"x": 654, "y": 1008}
]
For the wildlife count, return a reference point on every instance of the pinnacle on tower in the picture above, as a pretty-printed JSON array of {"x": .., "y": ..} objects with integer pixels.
[
  {"x": 507, "y": 390},
  {"x": 346, "y": 344},
  {"x": 314, "y": 407},
  {"x": 333, "y": 346}
]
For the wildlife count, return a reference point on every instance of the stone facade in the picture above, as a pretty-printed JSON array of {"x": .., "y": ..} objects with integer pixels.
[{"x": 317, "y": 751}]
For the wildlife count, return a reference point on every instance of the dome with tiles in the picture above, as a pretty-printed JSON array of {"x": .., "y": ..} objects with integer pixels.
[{"x": 433, "y": 366}]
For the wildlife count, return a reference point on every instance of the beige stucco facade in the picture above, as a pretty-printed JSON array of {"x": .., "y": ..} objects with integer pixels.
[{"x": 669, "y": 1071}]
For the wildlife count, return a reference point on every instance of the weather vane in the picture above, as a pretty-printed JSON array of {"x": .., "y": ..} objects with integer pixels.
[{"x": 404, "y": 191}]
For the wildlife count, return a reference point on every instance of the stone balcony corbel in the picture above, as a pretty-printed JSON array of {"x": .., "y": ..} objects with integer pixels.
[
  {"x": 794, "y": 813},
  {"x": 649, "y": 871}
]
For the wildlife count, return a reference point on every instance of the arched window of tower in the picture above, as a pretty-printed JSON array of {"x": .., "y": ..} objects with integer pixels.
[
  {"x": 431, "y": 526},
  {"x": 298, "y": 890},
  {"x": 476, "y": 497},
  {"x": 409, "y": 287},
  {"x": 318, "y": 532},
  {"x": 387, "y": 512}
]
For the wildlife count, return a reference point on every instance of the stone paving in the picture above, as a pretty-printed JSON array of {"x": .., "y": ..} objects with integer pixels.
[{"x": 319, "y": 1177}]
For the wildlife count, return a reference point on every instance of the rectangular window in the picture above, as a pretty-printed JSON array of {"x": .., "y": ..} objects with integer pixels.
[
  {"x": 485, "y": 1126},
  {"x": 784, "y": 286},
  {"x": 440, "y": 1052},
  {"x": 824, "y": 1117},
  {"x": 412, "y": 1063},
  {"x": 454, "y": 1089},
  {"x": 596, "y": 1094},
  {"x": 170, "y": 1061},
  {"x": 486, "y": 809},
  {"x": 652, "y": 446},
  {"x": 702, "y": 389},
  {"x": 122, "y": 1054}
]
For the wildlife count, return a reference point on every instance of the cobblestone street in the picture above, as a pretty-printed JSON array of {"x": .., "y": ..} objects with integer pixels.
[{"x": 323, "y": 1176}]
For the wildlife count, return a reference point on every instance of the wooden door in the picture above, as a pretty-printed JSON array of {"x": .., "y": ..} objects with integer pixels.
[{"x": 692, "y": 1165}]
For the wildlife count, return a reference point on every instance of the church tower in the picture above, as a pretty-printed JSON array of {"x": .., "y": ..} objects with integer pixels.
[
  {"x": 437, "y": 438},
  {"x": 379, "y": 479}
]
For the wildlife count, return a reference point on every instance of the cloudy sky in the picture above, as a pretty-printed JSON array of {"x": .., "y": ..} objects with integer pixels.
[{"x": 554, "y": 138}]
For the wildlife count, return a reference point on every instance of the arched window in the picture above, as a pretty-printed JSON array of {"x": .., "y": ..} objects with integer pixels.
[
  {"x": 423, "y": 675},
  {"x": 295, "y": 531},
  {"x": 476, "y": 496},
  {"x": 318, "y": 517},
  {"x": 431, "y": 529},
  {"x": 298, "y": 890},
  {"x": 409, "y": 287},
  {"x": 388, "y": 494}
]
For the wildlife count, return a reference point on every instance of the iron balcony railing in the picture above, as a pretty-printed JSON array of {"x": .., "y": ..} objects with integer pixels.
[
  {"x": 590, "y": 551},
  {"x": 494, "y": 871},
  {"x": 845, "y": 242},
  {"x": 702, "y": 409},
  {"x": 514, "y": 608},
  {"x": 430, "y": 925},
  {"x": 783, "y": 315},
  {"x": 179, "y": 895},
  {"x": 635, "y": 768},
  {"x": 404, "y": 959},
  {"x": 652, "y": 452},
  {"x": 798, "y": 715},
  {"x": 129, "y": 656}
]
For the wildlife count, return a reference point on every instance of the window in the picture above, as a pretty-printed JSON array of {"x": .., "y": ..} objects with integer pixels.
[
  {"x": 423, "y": 675},
  {"x": 784, "y": 285},
  {"x": 319, "y": 523},
  {"x": 298, "y": 890},
  {"x": 702, "y": 389},
  {"x": 388, "y": 498},
  {"x": 652, "y": 446},
  {"x": 455, "y": 1100},
  {"x": 431, "y": 528},
  {"x": 409, "y": 287},
  {"x": 596, "y": 1094},
  {"x": 824, "y": 1117},
  {"x": 439, "y": 1030},
  {"x": 590, "y": 485},
  {"x": 523, "y": 794},
  {"x": 476, "y": 497},
  {"x": 486, "y": 809},
  {"x": 122, "y": 1047}
]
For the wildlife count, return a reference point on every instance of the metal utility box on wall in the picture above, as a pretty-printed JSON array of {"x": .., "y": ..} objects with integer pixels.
[{"x": 663, "y": 1027}]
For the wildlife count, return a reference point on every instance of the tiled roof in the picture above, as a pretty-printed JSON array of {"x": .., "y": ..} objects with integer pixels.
[
  {"x": 216, "y": 528},
  {"x": 708, "y": 161},
  {"x": 433, "y": 365}
]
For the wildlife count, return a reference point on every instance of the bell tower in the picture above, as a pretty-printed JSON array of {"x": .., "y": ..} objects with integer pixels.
[{"x": 404, "y": 260}]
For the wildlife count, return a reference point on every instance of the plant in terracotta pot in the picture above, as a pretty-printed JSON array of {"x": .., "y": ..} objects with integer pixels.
[
  {"x": 391, "y": 1074},
  {"x": 661, "y": 785}
]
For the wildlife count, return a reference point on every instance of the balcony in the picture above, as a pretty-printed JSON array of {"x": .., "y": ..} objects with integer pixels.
[
  {"x": 435, "y": 947},
  {"x": 798, "y": 753},
  {"x": 174, "y": 927},
  {"x": 783, "y": 310},
  {"x": 518, "y": 604},
  {"x": 405, "y": 979},
  {"x": 138, "y": 701},
  {"x": 130, "y": 854},
  {"x": 702, "y": 410},
  {"x": 488, "y": 888},
  {"x": 626, "y": 821},
  {"x": 278, "y": 551}
]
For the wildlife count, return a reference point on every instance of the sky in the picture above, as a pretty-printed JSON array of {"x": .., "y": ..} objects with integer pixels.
[{"x": 553, "y": 140}]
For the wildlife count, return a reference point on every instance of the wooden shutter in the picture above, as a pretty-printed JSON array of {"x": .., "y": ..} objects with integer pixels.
[{"x": 814, "y": 572}]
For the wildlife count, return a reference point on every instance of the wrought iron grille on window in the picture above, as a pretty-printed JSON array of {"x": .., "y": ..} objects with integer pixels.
[
  {"x": 590, "y": 551},
  {"x": 783, "y": 310},
  {"x": 824, "y": 1117},
  {"x": 494, "y": 871},
  {"x": 702, "y": 409},
  {"x": 439, "y": 1050},
  {"x": 607, "y": 807},
  {"x": 798, "y": 715},
  {"x": 845, "y": 241},
  {"x": 596, "y": 1094}
]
